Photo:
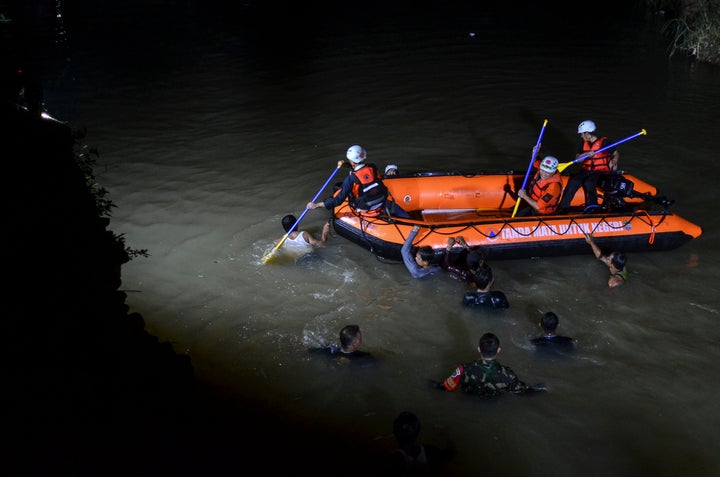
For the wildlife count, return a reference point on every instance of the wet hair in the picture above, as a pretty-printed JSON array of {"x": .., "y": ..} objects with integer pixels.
[
  {"x": 288, "y": 221},
  {"x": 348, "y": 335},
  {"x": 489, "y": 344},
  {"x": 406, "y": 427},
  {"x": 618, "y": 260},
  {"x": 483, "y": 277},
  {"x": 549, "y": 321},
  {"x": 474, "y": 259},
  {"x": 428, "y": 254}
]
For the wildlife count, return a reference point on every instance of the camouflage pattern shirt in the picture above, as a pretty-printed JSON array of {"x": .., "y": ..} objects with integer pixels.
[{"x": 485, "y": 377}]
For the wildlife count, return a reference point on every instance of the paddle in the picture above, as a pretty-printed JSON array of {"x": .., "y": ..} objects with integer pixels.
[
  {"x": 282, "y": 240},
  {"x": 564, "y": 165},
  {"x": 530, "y": 167}
]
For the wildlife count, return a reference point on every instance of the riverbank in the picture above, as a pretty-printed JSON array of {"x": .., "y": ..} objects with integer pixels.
[{"x": 91, "y": 392}]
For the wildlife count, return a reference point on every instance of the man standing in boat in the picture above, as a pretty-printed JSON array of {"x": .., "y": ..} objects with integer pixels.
[
  {"x": 363, "y": 188},
  {"x": 545, "y": 189},
  {"x": 595, "y": 166}
]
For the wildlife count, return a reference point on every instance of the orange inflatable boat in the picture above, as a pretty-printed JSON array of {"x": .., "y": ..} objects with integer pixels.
[{"x": 479, "y": 206}]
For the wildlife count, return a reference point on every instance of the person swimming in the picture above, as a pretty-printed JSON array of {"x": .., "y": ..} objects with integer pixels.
[{"x": 616, "y": 262}]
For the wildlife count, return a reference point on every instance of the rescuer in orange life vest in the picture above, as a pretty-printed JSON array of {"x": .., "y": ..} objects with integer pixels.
[
  {"x": 595, "y": 166},
  {"x": 545, "y": 189},
  {"x": 363, "y": 188}
]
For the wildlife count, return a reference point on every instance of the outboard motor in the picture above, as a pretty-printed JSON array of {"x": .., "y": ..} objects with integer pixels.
[{"x": 615, "y": 189}]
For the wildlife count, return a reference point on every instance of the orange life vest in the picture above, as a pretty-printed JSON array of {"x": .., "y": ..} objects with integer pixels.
[
  {"x": 600, "y": 162},
  {"x": 545, "y": 193},
  {"x": 368, "y": 193}
]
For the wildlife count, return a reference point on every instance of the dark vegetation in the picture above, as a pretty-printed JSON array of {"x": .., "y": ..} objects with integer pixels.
[
  {"x": 691, "y": 26},
  {"x": 88, "y": 390}
]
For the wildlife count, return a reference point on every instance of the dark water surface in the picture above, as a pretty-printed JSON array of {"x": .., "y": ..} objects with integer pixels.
[{"x": 212, "y": 125}]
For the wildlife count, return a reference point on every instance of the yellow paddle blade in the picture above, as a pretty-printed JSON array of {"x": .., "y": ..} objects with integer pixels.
[
  {"x": 279, "y": 258},
  {"x": 271, "y": 253},
  {"x": 269, "y": 258},
  {"x": 564, "y": 165}
]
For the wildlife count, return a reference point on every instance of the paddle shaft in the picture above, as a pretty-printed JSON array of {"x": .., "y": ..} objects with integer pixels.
[
  {"x": 565, "y": 165},
  {"x": 530, "y": 167},
  {"x": 297, "y": 222}
]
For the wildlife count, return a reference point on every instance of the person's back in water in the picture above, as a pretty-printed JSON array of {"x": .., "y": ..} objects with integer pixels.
[
  {"x": 484, "y": 297},
  {"x": 334, "y": 350},
  {"x": 348, "y": 349},
  {"x": 550, "y": 340}
]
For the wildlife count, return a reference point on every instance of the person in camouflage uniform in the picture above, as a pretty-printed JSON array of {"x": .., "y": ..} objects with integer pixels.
[{"x": 486, "y": 376}]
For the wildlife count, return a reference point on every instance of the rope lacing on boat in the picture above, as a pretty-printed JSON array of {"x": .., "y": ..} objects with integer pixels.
[{"x": 604, "y": 222}]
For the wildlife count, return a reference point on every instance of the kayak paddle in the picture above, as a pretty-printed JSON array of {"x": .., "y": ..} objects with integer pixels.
[
  {"x": 565, "y": 165},
  {"x": 297, "y": 222},
  {"x": 530, "y": 167}
]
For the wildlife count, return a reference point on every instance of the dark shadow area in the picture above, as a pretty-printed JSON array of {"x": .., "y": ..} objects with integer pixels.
[{"x": 87, "y": 390}]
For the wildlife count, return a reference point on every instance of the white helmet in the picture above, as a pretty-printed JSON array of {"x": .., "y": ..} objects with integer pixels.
[
  {"x": 356, "y": 154},
  {"x": 586, "y": 126},
  {"x": 549, "y": 164}
]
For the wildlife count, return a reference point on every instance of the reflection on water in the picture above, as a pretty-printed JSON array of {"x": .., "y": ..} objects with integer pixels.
[{"x": 207, "y": 142}]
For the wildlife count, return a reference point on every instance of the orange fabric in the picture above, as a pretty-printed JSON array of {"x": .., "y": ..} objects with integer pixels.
[
  {"x": 600, "y": 161},
  {"x": 368, "y": 193},
  {"x": 546, "y": 192}
]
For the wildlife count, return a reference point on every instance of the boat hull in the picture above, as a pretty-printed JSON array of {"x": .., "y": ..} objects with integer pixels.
[{"x": 443, "y": 207}]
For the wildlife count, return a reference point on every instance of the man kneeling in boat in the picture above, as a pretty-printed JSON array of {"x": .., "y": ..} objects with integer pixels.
[
  {"x": 484, "y": 297},
  {"x": 545, "y": 189},
  {"x": 363, "y": 188}
]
